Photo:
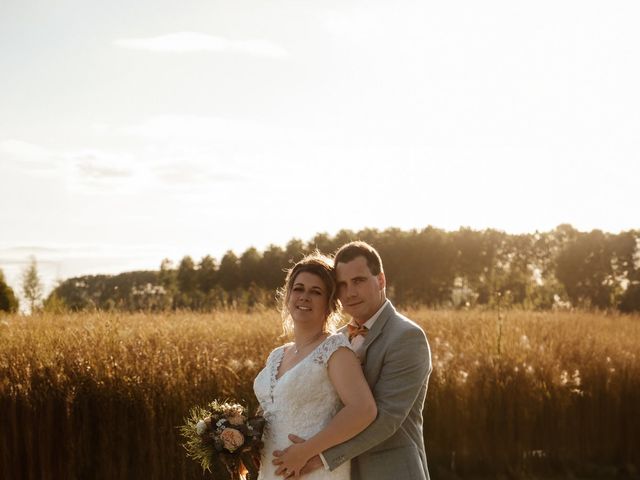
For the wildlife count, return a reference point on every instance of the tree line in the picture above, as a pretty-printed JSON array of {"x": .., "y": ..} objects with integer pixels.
[{"x": 562, "y": 268}]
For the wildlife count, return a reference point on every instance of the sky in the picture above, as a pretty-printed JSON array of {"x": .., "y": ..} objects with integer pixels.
[{"x": 135, "y": 131}]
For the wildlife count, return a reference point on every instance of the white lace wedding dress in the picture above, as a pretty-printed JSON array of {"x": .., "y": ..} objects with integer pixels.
[{"x": 302, "y": 401}]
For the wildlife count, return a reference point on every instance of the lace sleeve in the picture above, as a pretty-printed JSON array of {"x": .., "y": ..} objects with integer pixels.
[{"x": 329, "y": 346}]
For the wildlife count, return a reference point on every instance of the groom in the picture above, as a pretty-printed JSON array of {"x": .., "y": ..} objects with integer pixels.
[{"x": 396, "y": 362}]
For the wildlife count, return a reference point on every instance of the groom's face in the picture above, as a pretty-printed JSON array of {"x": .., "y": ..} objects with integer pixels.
[{"x": 360, "y": 291}]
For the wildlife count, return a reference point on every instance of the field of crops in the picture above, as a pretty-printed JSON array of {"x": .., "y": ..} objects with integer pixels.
[{"x": 516, "y": 394}]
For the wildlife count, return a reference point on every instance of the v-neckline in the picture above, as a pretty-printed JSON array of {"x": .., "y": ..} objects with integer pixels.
[{"x": 279, "y": 362}]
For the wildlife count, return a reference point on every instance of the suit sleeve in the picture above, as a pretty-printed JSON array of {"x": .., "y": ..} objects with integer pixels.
[{"x": 406, "y": 369}]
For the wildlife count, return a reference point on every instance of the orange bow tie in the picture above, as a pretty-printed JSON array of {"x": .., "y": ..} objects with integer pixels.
[{"x": 355, "y": 330}]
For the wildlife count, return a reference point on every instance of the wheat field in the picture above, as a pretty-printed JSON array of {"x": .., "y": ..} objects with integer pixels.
[{"x": 513, "y": 394}]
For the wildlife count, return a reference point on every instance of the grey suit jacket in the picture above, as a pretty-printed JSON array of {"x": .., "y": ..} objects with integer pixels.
[{"x": 397, "y": 363}]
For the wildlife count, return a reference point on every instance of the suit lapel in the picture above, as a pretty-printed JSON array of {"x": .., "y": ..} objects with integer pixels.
[{"x": 377, "y": 329}]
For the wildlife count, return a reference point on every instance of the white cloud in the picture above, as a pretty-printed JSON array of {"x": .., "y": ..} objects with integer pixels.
[
  {"x": 103, "y": 166},
  {"x": 23, "y": 149},
  {"x": 81, "y": 169},
  {"x": 172, "y": 151},
  {"x": 27, "y": 155},
  {"x": 193, "y": 175},
  {"x": 183, "y": 42}
]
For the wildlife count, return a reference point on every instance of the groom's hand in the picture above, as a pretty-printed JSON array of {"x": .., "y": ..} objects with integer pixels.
[{"x": 314, "y": 463}]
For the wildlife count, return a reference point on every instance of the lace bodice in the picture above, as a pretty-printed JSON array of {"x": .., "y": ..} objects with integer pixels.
[{"x": 302, "y": 401}]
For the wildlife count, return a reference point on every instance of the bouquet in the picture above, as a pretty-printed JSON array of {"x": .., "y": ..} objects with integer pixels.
[{"x": 224, "y": 440}]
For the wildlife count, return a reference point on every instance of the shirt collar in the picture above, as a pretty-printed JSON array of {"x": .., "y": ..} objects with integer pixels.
[{"x": 369, "y": 323}]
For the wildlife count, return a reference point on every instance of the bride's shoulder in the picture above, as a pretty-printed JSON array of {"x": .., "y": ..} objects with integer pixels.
[
  {"x": 338, "y": 338},
  {"x": 332, "y": 343}
]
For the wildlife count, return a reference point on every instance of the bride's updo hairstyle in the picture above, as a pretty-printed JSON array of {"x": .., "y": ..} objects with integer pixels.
[{"x": 321, "y": 266}]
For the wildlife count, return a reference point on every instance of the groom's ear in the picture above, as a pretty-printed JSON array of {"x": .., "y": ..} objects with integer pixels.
[{"x": 382, "y": 280}]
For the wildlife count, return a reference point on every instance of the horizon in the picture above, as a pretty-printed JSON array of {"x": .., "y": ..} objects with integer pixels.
[{"x": 57, "y": 263}]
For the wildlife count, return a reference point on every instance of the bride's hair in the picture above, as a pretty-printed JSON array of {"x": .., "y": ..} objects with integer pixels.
[{"x": 321, "y": 266}]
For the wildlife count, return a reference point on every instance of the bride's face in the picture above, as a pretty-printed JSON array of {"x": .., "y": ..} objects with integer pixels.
[{"x": 308, "y": 300}]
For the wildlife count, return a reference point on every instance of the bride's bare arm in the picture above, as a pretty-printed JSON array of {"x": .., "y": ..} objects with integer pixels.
[{"x": 358, "y": 412}]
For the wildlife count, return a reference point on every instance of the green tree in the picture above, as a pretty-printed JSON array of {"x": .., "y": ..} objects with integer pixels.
[
  {"x": 249, "y": 267},
  {"x": 424, "y": 263},
  {"x": 8, "y": 301},
  {"x": 54, "y": 304},
  {"x": 344, "y": 236},
  {"x": 627, "y": 267},
  {"x": 167, "y": 275},
  {"x": 323, "y": 243},
  {"x": 514, "y": 279},
  {"x": 32, "y": 288},
  {"x": 294, "y": 251},
  {"x": 272, "y": 268},
  {"x": 186, "y": 276},
  {"x": 207, "y": 274},
  {"x": 229, "y": 271},
  {"x": 585, "y": 269}
]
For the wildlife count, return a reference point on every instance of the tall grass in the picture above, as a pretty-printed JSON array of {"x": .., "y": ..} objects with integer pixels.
[
  {"x": 531, "y": 392},
  {"x": 100, "y": 395}
]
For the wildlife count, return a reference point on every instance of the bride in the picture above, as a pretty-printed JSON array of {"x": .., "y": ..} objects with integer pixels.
[{"x": 313, "y": 386}]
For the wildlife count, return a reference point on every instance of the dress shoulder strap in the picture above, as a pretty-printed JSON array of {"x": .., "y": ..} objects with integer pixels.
[{"x": 329, "y": 346}]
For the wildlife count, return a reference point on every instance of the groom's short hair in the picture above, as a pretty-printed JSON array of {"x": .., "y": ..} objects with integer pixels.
[{"x": 352, "y": 250}]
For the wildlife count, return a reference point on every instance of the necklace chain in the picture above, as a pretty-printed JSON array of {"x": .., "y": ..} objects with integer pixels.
[{"x": 296, "y": 349}]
